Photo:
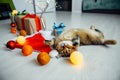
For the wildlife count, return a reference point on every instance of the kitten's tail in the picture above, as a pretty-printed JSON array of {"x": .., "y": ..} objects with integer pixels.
[{"x": 110, "y": 42}]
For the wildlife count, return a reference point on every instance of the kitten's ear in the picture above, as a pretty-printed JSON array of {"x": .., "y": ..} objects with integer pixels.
[{"x": 92, "y": 27}]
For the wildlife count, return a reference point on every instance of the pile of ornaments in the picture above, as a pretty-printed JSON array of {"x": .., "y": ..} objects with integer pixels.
[
  {"x": 27, "y": 50},
  {"x": 43, "y": 58}
]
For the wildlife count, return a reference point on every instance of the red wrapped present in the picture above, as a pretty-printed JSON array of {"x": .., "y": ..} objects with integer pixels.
[
  {"x": 37, "y": 21},
  {"x": 31, "y": 23}
]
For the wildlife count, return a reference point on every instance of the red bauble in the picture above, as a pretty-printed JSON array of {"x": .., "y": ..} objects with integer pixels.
[
  {"x": 13, "y": 24},
  {"x": 11, "y": 44}
]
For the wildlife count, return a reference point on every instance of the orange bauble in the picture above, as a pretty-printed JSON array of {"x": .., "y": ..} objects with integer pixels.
[
  {"x": 43, "y": 58},
  {"x": 23, "y": 32},
  {"x": 11, "y": 44},
  {"x": 27, "y": 50},
  {"x": 13, "y": 30}
]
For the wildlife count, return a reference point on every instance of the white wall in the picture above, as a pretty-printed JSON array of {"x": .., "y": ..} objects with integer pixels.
[
  {"x": 76, "y": 5},
  {"x": 21, "y": 5}
]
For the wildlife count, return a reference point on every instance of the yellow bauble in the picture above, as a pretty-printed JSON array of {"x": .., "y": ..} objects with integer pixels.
[
  {"x": 21, "y": 40},
  {"x": 76, "y": 57}
]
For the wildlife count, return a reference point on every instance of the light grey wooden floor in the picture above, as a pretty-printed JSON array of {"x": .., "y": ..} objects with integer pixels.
[{"x": 100, "y": 63}]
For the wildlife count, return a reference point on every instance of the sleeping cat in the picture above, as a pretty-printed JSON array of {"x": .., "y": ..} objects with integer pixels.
[{"x": 78, "y": 37}]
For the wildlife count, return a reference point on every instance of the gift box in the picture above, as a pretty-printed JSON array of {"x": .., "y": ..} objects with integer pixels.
[
  {"x": 58, "y": 29},
  {"x": 18, "y": 21},
  {"x": 30, "y": 26},
  {"x": 31, "y": 23}
]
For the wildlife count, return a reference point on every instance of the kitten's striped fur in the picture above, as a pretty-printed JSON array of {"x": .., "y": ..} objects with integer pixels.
[{"x": 90, "y": 36}]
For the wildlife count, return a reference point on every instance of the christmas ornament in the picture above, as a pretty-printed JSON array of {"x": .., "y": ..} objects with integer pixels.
[
  {"x": 13, "y": 24},
  {"x": 13, "y": 30},
  {"x": 21, "y": 40},
  {"x": 27, "y": 50},
  {"x": 43, "y": 58},
  {"x": 11, "y": 44},
  {"x": 76, "y": 57},
  {"x": 23, "y": 32}
]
